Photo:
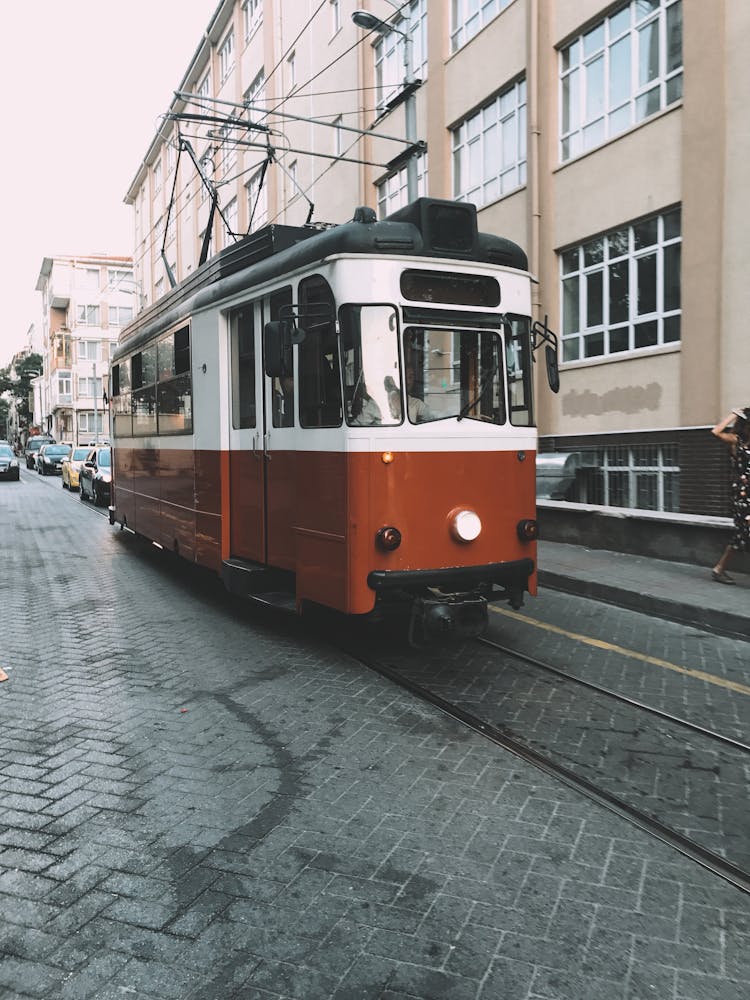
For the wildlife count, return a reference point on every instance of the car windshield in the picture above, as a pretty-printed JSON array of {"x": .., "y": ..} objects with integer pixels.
[
  {"x": 35, "y": 445},
  {"x": 57, "y": 449},
  {"x": 79, "y": 454},
  {"x": 104, "y": 457},
  {"x": 5, "y": 451}
]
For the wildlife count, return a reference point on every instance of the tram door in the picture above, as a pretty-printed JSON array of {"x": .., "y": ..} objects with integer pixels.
[{"x": 247, "y": 497}]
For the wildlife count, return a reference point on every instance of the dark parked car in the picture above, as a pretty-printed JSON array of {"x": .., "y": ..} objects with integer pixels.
[
  {"x": 95, "y": 476},
  {"x": 9, "y": 467},
  {"x": 50, "y": 457},
  {"x": 33, "y": 445}
]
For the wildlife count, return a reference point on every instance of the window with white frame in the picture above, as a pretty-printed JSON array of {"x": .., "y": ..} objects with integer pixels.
[
  {"x": 257, "y": 201},
  {"x": 119, "y": 280},
  {"x": 226, "y": 56},
  {"x": 204, "y": 87},
  {"x": 64, "y": 387},
  {"x": 335, "y": 16},
  {"x": 621, "y": 291},
  {"x": 389, "y": 53},
  {"x": 489, "y": 149},
  {"x": 89, "y": 422},
  {"x": 468, "y": 17},
  {"x": 88, "y": 350},
  {"x": 622, "y": 70},
  {"x": 89, "y": 387},
  {"x": 87, "y": 315},
  {"x": 392, "y": 191},
  {"x": 227, "y": 151},
  {"x": 256, "y": 92},
  {"x": 120, "y": 315},
  {"x": 252, "y": 15},
  {"x": 87, "y": 277},
  {"x": 157, "y": 177},
  {"x": 231, "y": 215}
]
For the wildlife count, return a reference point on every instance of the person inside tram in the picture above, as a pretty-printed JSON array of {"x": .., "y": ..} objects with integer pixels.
[
  {"x": 283, "y": 401},
  {"x": 419, "y": 412},
  {"x": 365, "y": 410}
]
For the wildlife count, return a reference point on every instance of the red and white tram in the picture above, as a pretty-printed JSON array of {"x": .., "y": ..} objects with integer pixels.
[{"x": 341, "y": 416}]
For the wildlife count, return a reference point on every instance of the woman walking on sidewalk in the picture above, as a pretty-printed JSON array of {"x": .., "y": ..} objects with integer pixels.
[{"x": 738, "y": 439}]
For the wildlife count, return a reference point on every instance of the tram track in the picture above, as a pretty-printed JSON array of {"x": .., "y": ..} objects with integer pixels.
[{"x": 506, "y": 738}]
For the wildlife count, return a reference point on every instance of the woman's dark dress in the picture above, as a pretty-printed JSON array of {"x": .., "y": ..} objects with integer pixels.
[{"x": 741, "y": 498}]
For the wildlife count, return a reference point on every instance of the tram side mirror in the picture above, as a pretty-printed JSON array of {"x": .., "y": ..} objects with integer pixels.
[
  {"x": 553, "y": 372},
  {"x": 277, "y": 348}
]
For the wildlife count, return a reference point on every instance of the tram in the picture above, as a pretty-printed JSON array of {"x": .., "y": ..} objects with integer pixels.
[{"x": 342, "y": 416}]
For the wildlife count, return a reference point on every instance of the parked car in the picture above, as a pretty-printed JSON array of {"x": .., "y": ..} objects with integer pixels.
[
  {"x": 95, "y": 476},
  {"x": 49, "y": 458},
  {"x": 9, "y": 465},
  {"x": 71, "y": 465},
  {"x": 33, "y": 445}
]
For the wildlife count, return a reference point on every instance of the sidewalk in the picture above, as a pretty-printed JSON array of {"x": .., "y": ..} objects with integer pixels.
[{"x": 676, "y": 591}]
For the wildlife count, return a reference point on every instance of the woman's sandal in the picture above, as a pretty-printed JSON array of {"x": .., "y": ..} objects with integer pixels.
[{"x": 721, "y": 577}]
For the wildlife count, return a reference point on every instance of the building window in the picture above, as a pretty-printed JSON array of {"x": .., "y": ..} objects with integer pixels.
[
  {"x": 88, "y": 350},
  {"x": 64, "y": 388},
  {"x": 204, "y": 87},
  {"x": 622, "y": 70},
  {"x": 621, "y": 291},
  {"x": 157, "y": 177},
  {"x": 231, "y": 215},
  {"x": 89, "y": 387},
  {"x": 119, "y": 315},
  {"x": 88, "y": 278},
  {"x": 468, "y": 17},
  {"x": 335, "y": 16},
  {"x": 291, "y": 71},
  {"x": 489, "y": 149},
  {"x": 256, "y": 92},
  {"x": 389, "y": 54},
  {"x": 257, "y": 202},
  {"x": 252, "y": 12},
  {"x": 87, "y": 315},
  {"x": 227, "y": 151},
  {"x": 226, "y": 57},
  {"x": 392, "y": 192},
  {"x": 119, "y": 280},
  {"x": 90, "y": 423}
]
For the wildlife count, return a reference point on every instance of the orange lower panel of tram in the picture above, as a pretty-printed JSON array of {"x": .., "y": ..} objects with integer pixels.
[{"x": 317, "y": 513}]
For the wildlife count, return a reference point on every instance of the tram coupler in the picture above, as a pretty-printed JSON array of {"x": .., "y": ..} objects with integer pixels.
[{"x": 459, "y": 616}]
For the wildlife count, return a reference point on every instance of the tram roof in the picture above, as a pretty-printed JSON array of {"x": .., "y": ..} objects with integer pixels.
[{"x": 428, "y": 227}]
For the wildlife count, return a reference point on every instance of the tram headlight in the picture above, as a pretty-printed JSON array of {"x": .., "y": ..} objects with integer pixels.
[
  {"x": 527, "y": 530},
  {"x": 465, "y": 524},
  {"x": 388, "y": 538}
]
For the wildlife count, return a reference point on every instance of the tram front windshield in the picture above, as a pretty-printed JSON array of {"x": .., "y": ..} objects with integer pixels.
[{"x": 449, "y": 373}]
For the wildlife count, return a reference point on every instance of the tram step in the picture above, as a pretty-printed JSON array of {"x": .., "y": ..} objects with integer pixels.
[
  {"x": 250, "y": 579},
  {"x": 282, "y": 600}
]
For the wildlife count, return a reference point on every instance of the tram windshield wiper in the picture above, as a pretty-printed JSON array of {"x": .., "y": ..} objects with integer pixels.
[{"x": 483, "y": 387}]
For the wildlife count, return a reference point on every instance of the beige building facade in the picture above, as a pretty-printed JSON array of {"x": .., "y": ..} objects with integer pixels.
[
  {"x": 610, "y": 141},
  {"x": 86, "y": 300}
]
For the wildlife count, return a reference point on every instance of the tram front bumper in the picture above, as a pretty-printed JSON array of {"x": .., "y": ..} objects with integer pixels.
[{"x": 512, "y": 577}]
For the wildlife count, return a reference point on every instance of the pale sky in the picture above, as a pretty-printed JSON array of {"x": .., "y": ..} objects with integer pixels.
[{"x": 83, "y": 84}]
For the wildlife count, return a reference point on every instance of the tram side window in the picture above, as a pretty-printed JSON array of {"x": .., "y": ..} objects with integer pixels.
[
  {"x": 282, "y": 389},
  {"x": 175, "y": 385},
  {"x": 518, "y": 362},
  {"x": 122, "y": 417},
  {"x": 143, "y": 372},
  {"x": 242, "y": 334},
  {"x": 319, "y": 379},
  {"x": 369, "y": 358}
]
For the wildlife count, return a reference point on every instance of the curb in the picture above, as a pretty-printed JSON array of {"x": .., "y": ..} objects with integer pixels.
[{"x": 720, "y": 622}]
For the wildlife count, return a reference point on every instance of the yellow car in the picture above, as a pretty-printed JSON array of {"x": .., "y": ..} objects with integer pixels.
[{"x": 71, "y": 465}]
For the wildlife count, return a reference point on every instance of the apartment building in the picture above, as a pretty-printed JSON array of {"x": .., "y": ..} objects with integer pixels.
[
  {"x": 610, "y": 140},
  {"x": 85, "y": 302}
]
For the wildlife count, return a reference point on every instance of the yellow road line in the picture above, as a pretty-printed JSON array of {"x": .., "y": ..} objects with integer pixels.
[{"x": 611, "y": 647}]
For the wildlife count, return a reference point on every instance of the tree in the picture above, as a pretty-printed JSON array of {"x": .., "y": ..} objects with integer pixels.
[{"x": 19, "y": 388}]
